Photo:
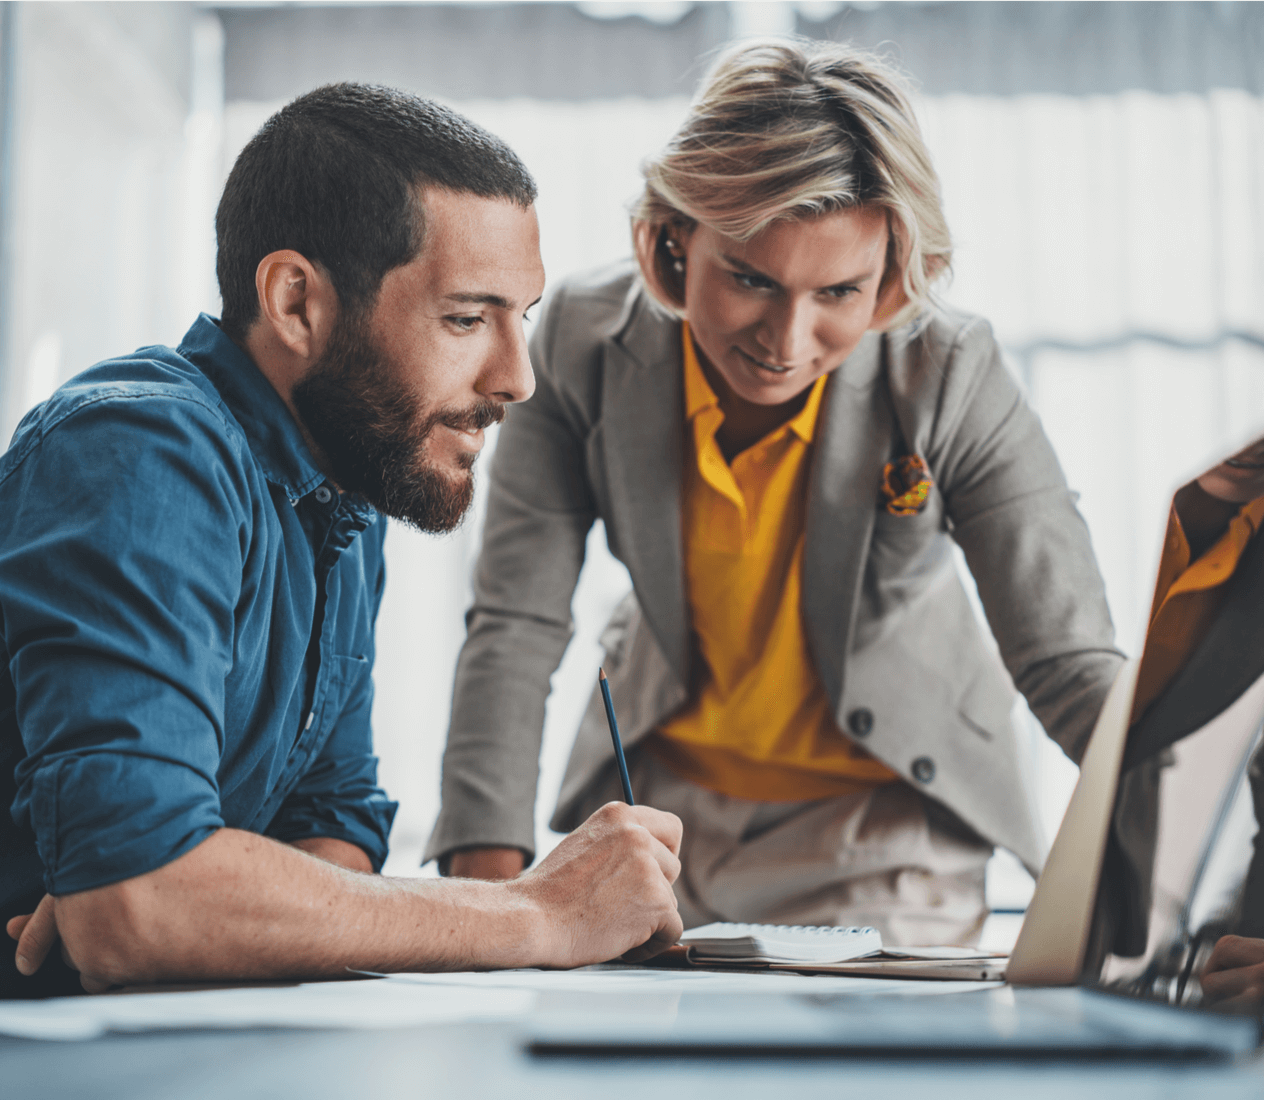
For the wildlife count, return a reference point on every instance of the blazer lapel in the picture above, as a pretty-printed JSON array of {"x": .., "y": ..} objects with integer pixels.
[
  {"x": 853, "y": 442},
  {"x": 642, "y": 424}
]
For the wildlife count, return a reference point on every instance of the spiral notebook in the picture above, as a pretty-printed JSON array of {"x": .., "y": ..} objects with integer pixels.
[{"x": 767, "y": 944}]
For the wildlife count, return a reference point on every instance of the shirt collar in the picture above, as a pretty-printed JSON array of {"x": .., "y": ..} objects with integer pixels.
[
  {"x": 699, "y": 395},
  {"x": 804, "y": 423},
  {"x": 698, "y": 392},
  {"x": 1254, "y": 513},
  {"x": 271, "y": 430}
]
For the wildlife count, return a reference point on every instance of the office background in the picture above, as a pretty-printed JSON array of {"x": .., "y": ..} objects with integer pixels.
[{"x": 1103, "y": 173}]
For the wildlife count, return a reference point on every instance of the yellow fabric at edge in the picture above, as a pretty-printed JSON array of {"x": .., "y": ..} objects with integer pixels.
[
  {"x": 760, "y": 726},
  {"x": 1186, "y": 599}
]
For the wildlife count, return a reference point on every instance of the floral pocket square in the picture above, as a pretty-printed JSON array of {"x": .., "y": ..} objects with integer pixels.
[{"x": 906, "y": 483}]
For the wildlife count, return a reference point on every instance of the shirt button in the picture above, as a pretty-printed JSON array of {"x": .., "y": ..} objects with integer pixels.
[
  {"x": 860, "y": 721},
  {"x": 923, "y": 769},
  {"x": 323, "y": 495}
]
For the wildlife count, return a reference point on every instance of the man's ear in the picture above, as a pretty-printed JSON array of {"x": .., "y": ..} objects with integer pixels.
[{"x": 297, "y": 302}]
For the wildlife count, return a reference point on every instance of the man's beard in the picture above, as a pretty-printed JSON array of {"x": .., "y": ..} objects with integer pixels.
[{"x": 372, "y": 434}]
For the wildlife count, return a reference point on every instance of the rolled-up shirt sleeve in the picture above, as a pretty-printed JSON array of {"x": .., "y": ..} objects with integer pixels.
[
  {"x": 338, "y": 797},
  {"x": 120, "y": 568}
]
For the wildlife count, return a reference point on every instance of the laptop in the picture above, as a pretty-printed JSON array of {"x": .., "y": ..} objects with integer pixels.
[{"x": 1161, "y": 852}]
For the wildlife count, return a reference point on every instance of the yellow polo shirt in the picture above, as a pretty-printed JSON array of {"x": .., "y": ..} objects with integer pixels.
[
  {"x": 1187, "y": 597},
  {"x": 759, "y": 726}
]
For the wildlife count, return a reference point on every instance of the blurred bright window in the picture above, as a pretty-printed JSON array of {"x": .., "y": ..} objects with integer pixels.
[{"x": 1113, "y": 237}]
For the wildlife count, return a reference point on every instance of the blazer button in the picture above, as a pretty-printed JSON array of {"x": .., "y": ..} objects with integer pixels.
[
  {"x": 923, "y": 769},
  {"x": 860, "y": 721}
]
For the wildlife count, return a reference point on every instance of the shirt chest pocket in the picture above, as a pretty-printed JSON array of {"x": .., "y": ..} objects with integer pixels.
[
  {"x": 907, "y": 534},
  {"x": 909, "y": 549},
  {"x": 343, "y": 675}
]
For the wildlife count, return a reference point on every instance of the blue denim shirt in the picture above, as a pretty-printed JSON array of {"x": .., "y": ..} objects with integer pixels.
[{"x": 188, "y": 610}]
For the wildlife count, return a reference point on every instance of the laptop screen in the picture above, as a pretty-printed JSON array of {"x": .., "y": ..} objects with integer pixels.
[{"x": 1183, "y": 862}]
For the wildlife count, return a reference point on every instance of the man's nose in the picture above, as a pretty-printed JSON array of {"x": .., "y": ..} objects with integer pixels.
[
  {"x": 509, "y": 377},
  {"x": 788, "y": 333}
]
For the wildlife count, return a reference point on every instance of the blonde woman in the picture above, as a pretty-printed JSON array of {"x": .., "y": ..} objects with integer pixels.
[{"x": 784, "y": 435}]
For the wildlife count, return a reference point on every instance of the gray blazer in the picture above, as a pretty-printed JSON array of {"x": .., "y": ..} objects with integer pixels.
[{"x": 893, "y": 636}]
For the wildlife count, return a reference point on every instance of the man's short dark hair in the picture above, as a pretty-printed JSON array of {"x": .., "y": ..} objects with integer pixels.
[{"x": 334, "y": 176}]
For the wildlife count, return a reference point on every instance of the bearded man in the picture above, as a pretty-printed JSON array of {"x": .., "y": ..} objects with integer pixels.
[{"x": 191, "y": 567}]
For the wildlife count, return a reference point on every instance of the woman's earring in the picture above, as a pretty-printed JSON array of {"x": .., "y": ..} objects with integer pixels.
[{"x": 677, "y": 254}]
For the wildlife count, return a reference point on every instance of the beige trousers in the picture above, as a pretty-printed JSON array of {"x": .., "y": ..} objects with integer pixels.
[{"x": 888, "y": 858}]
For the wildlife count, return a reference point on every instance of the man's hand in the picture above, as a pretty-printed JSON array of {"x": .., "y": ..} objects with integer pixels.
[
  {"x": 606, "y": 890},
  {"x": 1234, "y": 975},
  {"x": 492, "y": 864},
  {"x": 37, "y": 935},
  {"x": 40, "y": 931}
]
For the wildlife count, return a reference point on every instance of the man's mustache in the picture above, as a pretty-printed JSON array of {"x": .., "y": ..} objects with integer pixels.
[{"x": 477, "y": 417}]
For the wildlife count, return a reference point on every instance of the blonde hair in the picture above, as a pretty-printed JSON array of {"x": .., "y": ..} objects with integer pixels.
[{"x": 792, "y": 128}]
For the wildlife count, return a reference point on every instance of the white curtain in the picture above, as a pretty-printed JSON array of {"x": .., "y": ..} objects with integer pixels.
[{"x": 1115, "y": 242}]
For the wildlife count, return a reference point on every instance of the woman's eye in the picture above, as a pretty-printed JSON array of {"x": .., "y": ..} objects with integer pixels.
[
  {"x": 751, "y": 282},
  {"x": 841, "y": 292}
]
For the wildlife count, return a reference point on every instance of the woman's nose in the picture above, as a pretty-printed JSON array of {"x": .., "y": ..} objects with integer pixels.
[{"x": 787, "y": 334}]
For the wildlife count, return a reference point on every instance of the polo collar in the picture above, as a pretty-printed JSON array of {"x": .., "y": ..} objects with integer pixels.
[
  {"x": 699, "y": 395},
  {"x": 698, "y": 392}
]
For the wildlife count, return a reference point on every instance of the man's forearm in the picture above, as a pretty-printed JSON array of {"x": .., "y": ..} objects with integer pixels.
[{"x": 243, "y": 906}]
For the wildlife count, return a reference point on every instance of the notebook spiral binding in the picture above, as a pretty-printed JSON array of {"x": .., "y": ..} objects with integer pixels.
[{"x": 820, "y": 929}]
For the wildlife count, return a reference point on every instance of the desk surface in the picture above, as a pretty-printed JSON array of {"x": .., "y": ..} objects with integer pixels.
[
  {"x": 488, "y": 1059},
  {"x": 473, "y": 1060}
]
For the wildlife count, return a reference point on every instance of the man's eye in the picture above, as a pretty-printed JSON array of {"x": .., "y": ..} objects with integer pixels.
[{"x": 466, "y": 324}]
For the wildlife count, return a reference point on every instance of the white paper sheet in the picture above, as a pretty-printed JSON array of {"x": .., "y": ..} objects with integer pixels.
[
  {"x": 351, "y": 1004},
  {"x": 610, "y": 979},
  {"x": 406, "y": 1000}
]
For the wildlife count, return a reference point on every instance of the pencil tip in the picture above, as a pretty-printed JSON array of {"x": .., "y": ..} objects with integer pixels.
[{"x": 601, "y": 673}]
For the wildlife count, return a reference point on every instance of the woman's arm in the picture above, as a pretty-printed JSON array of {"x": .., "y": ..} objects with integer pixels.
[
  {"x": 1024, "y": 540},
  {"x": 540, "y": 509}
]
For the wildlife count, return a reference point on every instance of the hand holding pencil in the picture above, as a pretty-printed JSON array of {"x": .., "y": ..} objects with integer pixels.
[
  {"x": 606, "y": 889},
  {"x": 617, "y": 868}
]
